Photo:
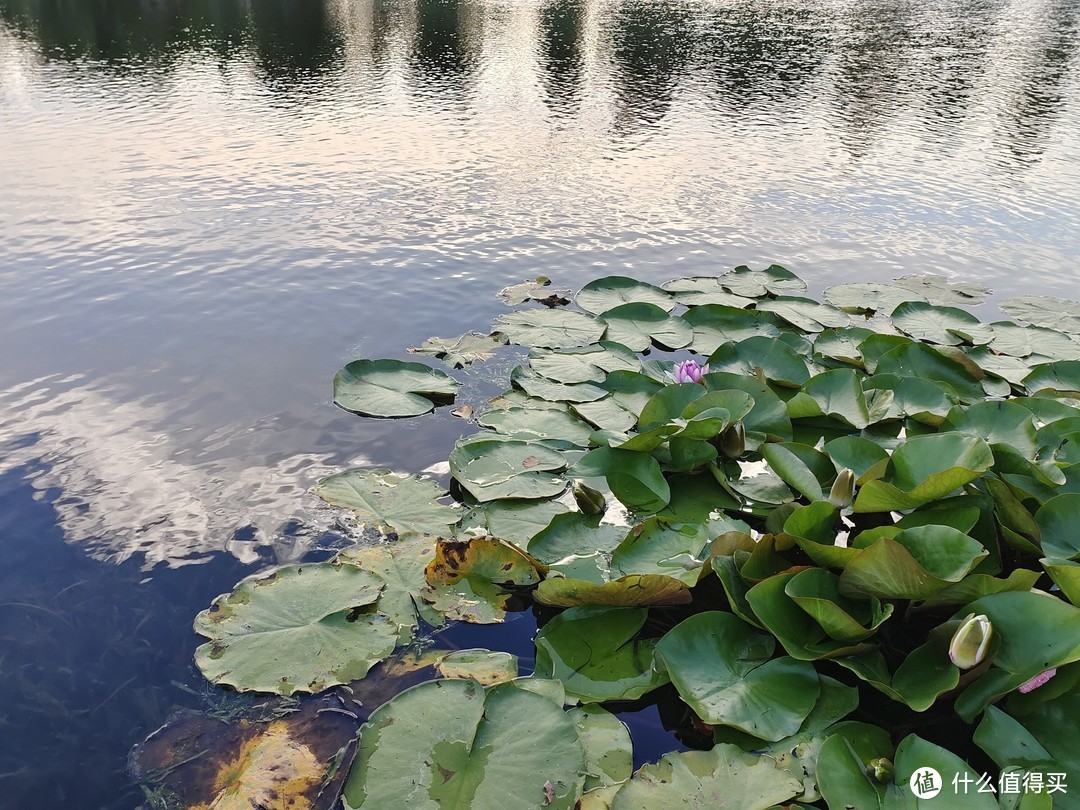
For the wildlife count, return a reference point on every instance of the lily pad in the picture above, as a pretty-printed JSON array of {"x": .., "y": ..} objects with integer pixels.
[
  {"x": 633, "y": 590},
  {"x": 723, "y": 777},
  {"x": 609, "y": 753},
  {"x": 484, "y": 666},
  {"x": 474, "y": 580},
  {"x": 513, "y": 520},
  {"x": 868, "y": 296},
  {"x": 780, "y": 363},
  {"x": 391, "y": 502},
  {"x": 555, "y": 426},
  {"x": 805, "y": 313},
  {"x": 300, "y": 628},
  {"x": 940, "y": 290},
  {"x": 698, "y": 290},
  {"x": 715, "y": 324},
  {"x": 449, "y": 745},
  {"x": 574, "y": 534},
  {"x": 541, "y": 387},
  {"x": 507, "y": 469},
  {"x": 603, "y": 294},
  {"x": 774, "y": 279},
  {"x": 549, "y": 328},
  {"x": 638, "y": 326},
  {"x": 595, "y": 652},
  {"x": 1044, "y": 310},
  {"x": 537, "y": 290},
  {"x": 676, "y": 550},
  {"x": 945, "y": 325},
  {"x": 725, "y": 672},
  {"x": 391, "y": 388},
  {"x": 635, "y": 478},
  {"x": 472, "y": 347}
]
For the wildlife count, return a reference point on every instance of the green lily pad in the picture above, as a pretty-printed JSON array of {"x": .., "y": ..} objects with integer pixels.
[
  {"x": 513, "y": 520},
  {"x": 400, "y": 565},
  {"x": 549, "y": 328},
  {"x": 1062, "y": 375},
  {"x": 1058, "y": 520},
  {"x": 697, "y": 290},
  {"x": 774, "y": 279},
  {"x": 635, "y": 478},
  {"x": 472, "y": 347},
  {"x": 868, "y": 296},
  {"x": 676, "y": 550},
  {"x": 723, "y": 777},
  {"x": 449, "y": 745},
  {"x": 391, "y": 388},
  {"x": 924, "y": 469},
  {"x": 925, "y": 362},
  {"x": 638, "y": 326},
  {"x": 996, "y": 422},
  {"x": 542, "y": 388},
  {"x": 555, "y": 426},
  {"x": 940, "y": 290},
  {"x": 537, "y": 290},
  {"x": 574, "y": 533},
  {"x": 507, "y": 469},
  {"x": 583, "y": 363},
  {"x": 805, "y": 313},
  {"x": 1044, "y": 310},
  {"x": 715, "y": 324},
  {"x": 925, "y": 401},
  {"x": 474, "y": 580},
  {"x": 389, "y": 501},
  {"x": 603, "y": 294},
  {"x": 837, "y": 394},
  {"x": 780, "y": 363},
  {"x": 725, "y": 672},
  {"x": 817, "y": 592},
  {"x": 948, "y": 326},
  {"x": 595, "y": 652},
  {"x": 609, "y": 753},
  {"x": 484, "y": 666},
  {"x": 1066, "y": 575},
  {"x": 300, "y": 628}
]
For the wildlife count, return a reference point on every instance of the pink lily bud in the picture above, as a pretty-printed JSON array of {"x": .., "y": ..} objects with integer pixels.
[{"x": 688, "y": 371}]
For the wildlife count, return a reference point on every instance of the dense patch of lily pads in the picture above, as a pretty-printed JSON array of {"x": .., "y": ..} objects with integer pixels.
[{"x": 844, "y": 533}]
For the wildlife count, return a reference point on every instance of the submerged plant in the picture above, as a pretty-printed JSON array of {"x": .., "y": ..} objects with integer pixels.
[{"x": 845, "y": 528}]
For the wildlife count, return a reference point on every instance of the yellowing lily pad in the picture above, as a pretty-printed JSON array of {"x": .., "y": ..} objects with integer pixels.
[{"x": 474, "y": 580}]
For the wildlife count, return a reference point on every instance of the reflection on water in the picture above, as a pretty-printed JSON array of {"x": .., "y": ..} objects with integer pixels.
[{"x": 210, "y": 206}]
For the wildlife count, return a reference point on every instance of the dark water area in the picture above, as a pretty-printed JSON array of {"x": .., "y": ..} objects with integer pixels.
[{"x": 207, "y": 208}]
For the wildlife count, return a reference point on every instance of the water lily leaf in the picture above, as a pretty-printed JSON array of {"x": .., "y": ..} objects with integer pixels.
[
  {"x": 549, "y": 328},
  {"x": 299, "y": 628},
  {"x": 554, "y": 426},
  {"x": 449, "y": 745},
  {"x": 391, "y": 388},
  {"x": 1062, "y": 375},
  {"x": 595, "y": 652},
  {"x": 940, "y": 290},
  {"x": 574, "y": 533},
  {"x": 774, "y": 280},
  {"x": 723, "y": 777},
  {"x": 698, "y": 290},
  {"x": 507, "y": 469},
  {"x": 918, "y": 360},
  {"x": 603, "y": 294},
  {"x": 802, "y": 467},
  {"x": 633, "y": 590},
  {"x": 543, "y": 388},
  {"x": 1022, "y": 654},
  {"x": 842, "y": 345},
  {"x": 1066, "y": 575},
  {"x": 484, "y": 666},
  {"x": 868, "y": 296},
  {"x": 818, "y": 593},
  {"x": 1007, "y": 742},
  {"x": 867, "y": 459},
  {"x": 916, "y": 754},
  {"x": 768, "y": 419},
  {"x": 974, "y": 586},
  {"x": 925, "y": 401},
  {"x": 668, "y": 404},
  {"x": 924, "y": 469},
  {"x": 389, "y": 501},
  {"x": 780, "y": 363},
  {"x": 948, "y": 326},
  {"x": 722, "y": 669},
  {"x": 1058, "y": 520},
  {"x": 1022, "y": 341},
  {"x": 474, "y": 580},
  {"x": 756, "y": 485},
  {"x": 638, "y": 326},
  {"x": 461, "y": 351},
  {"x": 400, "y": 565},
  {"x": 207, "y": 763},
  {"x": 516, "y": 521},
  {"x": 805, "y": 313},
  {"x": 634, "y": 478},
  {"x": 695, "y": 499},
  {"x": 715, "y": 324},
  {"x": 537, "y": 290},
  {"x": 584, "y": 363},
  {"x": 1044, "y": 310},
  {"x": 837, "y": 394},
  {"x": 914, "y": 564},
  {"x": 656, "y": 547},
  {"x": 842, "y": 773},
  {"x": 609, "y": 751}
]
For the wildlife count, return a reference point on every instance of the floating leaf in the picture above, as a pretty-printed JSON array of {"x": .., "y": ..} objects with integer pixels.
[
  {"x": 1063, "y": 375},
  {"x": 538, "y": 290},
  {"x": 780, "y": 363},
  {"x": 869, "y": 296},
  {"x": 698, "y": 290},
  {"x": 609, "y": 753},
  {"x": 448, "y": 745},
  {"x": 389, "y": 501},
  {"x": 638, "y": 326},
  {"x": 945, "y": 325},
  {"x": 1058, "y": 520},
  {"x": 715, "y": 325},
  {"x": 940, "y": 290},
  {"x": 543, "y": 388},
  {"x": 632, "y": 590},
  {"x": 461, "y": 351},
  {"x": 507, "y": 469},
  {"x": 773, "y": 279},
  {"x": 917, "y": 360},
  {"x": 676, "y": 550},
  {"x": 837, "y": 394},
  {"x": 474, "y": 580},
  {"x": 635, "y": 478},
  {"x": 724, "y": 776},
  {"x": 603, "y": 294},
  {"x": 391, "y": 388},
  {"x": 574, "y": 534},
  {"x": 300, "y": 628},
  {"x": 516, "y": 521},
  {"x": 805, "y": 313},
  {"x": 555, "y": 426},
  {"x": 549, "y": 328},
  {"x": 1044, "y": 310},
  {"x": 484, "y": 666},
  {"x": 725, "y": 672},
  {"x": 817, "y": 592},
  {"x": 594, "y": 651}
]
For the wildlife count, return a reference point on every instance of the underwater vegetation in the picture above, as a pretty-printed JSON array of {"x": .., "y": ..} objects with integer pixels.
[{"x": 842, "y": 533}]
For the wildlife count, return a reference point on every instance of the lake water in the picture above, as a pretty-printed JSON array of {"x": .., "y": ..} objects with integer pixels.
[{"x": 209, "y": 206}]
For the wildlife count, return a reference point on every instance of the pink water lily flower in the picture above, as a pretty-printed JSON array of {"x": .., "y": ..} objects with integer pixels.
[
  {"x": 688, "y": 371},
  {"x": 1037, "y": 681}
]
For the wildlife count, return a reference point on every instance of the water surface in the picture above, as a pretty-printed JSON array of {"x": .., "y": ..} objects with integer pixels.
[{"x": 209, "y": 207}]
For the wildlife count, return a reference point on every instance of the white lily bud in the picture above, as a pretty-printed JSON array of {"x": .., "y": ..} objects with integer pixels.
[
  {"x": 971, "y": 641},
  {"x": 843, "y": 489}
]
